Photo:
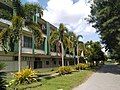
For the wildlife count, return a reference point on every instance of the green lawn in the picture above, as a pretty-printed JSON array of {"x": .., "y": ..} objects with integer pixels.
[{"x": 65, "y": 82}]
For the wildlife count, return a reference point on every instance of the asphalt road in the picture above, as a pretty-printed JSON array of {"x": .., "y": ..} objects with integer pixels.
[{"x": 107, "y": 78}]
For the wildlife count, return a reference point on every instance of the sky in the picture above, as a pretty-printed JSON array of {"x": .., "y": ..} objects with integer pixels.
[{"x": 70, "y": 12}]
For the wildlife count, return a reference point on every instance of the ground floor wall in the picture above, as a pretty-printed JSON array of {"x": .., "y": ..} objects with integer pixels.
[
  {"x": 11, "y": 62},
  {"x": 46, "y": 63},
  {"x": 13, "y": 65}
]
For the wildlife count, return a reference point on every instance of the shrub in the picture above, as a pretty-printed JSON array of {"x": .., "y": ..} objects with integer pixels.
[
  {"x": 25, "y": 76},
  {"x": 81, "y": 66},
  {"x": 64, "y": 70}
]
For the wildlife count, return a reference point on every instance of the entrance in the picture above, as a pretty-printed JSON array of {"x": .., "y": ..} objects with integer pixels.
[{"x": 37, "y": 63}]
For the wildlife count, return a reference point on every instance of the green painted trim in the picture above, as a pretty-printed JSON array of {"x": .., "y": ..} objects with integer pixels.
[
  {"x": 45, "y": 48},
  {"x": 47, "y": 45},
  {"x": 33, "y": 44}
]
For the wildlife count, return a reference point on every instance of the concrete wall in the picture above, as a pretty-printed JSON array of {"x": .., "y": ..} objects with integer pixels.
[
  {"x": 13, "y": 65},
  {"x": 6, "y": 58},
  {"x": 51, "y": 63},
  {"x": 44, "y": 60}
]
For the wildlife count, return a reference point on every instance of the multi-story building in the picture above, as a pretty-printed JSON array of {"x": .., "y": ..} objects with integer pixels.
[{"x": 31, "y": 56}]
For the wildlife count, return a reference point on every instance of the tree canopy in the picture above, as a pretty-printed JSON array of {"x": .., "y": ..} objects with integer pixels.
[{"x": 105, "y": 17}]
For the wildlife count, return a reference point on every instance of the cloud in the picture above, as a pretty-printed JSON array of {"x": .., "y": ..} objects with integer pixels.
[{"x": 70, "y": 12}]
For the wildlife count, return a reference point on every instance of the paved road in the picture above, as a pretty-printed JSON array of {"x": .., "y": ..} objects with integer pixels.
[{"x": 107, "y": 78}]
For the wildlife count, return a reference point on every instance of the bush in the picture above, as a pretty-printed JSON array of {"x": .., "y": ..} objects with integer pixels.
[
  {"x": 64, "y": 70},
  {"x": 81, "y": 66},
  {"x": 25, "y": 76}
]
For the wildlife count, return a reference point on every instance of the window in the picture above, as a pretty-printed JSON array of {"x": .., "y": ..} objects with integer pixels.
[
  {"x": 44, "y": 29},
  {"x": 16, "y": 58},
  {"x": 47, "y": 62},
  {"x": 42, "y": 44},
  {"x": 26, "y": 58},
  {"x": 27, "y": 42},
  {"x": 54, "y": 62}
]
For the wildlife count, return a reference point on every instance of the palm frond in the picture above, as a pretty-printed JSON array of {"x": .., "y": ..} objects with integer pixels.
[
  {"x": 36, "y": 31},
  {"x": 54, "y": 37}
]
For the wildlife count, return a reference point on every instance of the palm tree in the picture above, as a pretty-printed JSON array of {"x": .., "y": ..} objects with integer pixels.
[
  {"x": 77, "y": 40},
  {"x": 60, "y": 36}
]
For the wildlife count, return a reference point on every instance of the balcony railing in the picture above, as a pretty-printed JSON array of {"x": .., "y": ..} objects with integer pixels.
[
  {"x": 27, "y": 50},
  {"x": 5, "y": 21},
  {"x": 39, "y": 52},
  {"x": 53, "y": 53}
]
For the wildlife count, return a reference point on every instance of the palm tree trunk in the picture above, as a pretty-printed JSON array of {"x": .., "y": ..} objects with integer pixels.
[
  {"x": 19, "y": 55},
  {"x": 62, "y": 54},
  {"x": 74, "y": 56},
  {"x": 77, "y": 55}
]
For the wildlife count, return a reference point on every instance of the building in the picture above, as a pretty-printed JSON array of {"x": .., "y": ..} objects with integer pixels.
[{"x": 31, "y": 56}]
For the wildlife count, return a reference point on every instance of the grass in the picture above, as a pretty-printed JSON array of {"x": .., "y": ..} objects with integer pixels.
[
  {"x": 65, "y": 82},
  {"x": 26, "y": 86}
]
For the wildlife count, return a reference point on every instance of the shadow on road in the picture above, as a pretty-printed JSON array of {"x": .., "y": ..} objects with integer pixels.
[{"x": 114, "y": 69}]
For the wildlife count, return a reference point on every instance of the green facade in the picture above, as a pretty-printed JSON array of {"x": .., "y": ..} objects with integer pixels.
[{"x": 47, "y": 45}]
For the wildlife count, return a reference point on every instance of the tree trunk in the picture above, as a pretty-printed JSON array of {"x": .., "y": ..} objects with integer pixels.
[
  {"x": 77, "y": 55},
  {"x": 62, "y": 54},
  {"x": 19, "y": 55},
  {"x": 74, "y": 56}
]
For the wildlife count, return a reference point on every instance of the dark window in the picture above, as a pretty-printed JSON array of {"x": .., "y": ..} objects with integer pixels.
[
  {"x": 27, "y": 42},
  {"x": 44, "y": 29},
  {"x": 37, "y": 64},
  {"x": 16, "y": 58},
  {"x": 54, "y": 62},
  {"x": 37, "y": 58},
  {"x": 42, "y": 44},
  {"x": 47, "y": 62}
]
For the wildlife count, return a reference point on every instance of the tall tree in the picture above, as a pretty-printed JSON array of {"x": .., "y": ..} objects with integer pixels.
[
  {"x": 75, "y": 44},
  {"x": 77, "y": 41},
  {"x": 31, "y": 10},
  {"x": 96, "y": 53},
  {"x": 105, "y": 16}
]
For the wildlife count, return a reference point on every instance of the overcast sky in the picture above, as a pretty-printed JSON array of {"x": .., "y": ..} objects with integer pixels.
[{"x": 70, "y": 12}]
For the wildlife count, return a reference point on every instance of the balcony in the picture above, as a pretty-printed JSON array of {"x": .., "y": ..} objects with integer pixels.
[
  {"x": 27, "y": 50},
  {"x": 39, "y": 51},
  {"x": 53, "y": 54},
  {"x": 4, "y": 21},
  {"x": 68, "y": 55}
]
